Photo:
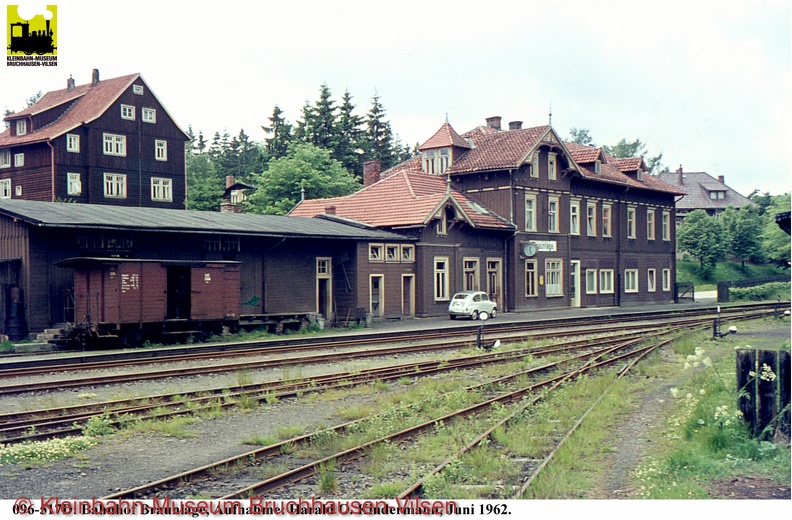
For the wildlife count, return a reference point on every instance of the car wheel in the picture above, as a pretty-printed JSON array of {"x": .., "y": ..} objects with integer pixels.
[
  {"x": 494, "y": 312},
  {"x": 452, "y": 316},
  {"x": 474, "y": 315}
]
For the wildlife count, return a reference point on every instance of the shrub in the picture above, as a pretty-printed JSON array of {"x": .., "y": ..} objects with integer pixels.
[{"x": 768, "y": 291}]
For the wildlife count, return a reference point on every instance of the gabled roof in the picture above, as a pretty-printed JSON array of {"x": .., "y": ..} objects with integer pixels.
[
  {"x": 498, "y": 150},
  {"x": 444, "y": 137},
  {"x": 406, "y": 198},
  {"x": 83, "y": 104},
  {"x": 628, "y": 164},
  {"x": 584, "y": 154},
  {"x": 697, "y": 186},
  {"x": 96, "y": 216}
]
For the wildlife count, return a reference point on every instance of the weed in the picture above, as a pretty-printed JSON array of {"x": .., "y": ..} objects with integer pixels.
[
  {"x": 289, "y": 431},
  {"x": 258, "y": 440},
  {"x": 244, "y": 377},
  {"x": 328, "y": 483}
]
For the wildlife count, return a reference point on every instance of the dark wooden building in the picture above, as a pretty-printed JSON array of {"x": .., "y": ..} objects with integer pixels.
[
  {"x": 106, "y": 142},
  {"x": 284, "y": 265},
  {"x": 536, "y": 222}
]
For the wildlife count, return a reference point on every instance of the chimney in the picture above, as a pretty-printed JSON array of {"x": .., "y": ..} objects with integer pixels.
[
  {"x": 371, "y": 172},
  {"x": 494, "y": 122},
  {"x": 95, "y": 77},
  {"x": 228, "y": 207},
  {"x": 229, "y": 181},
  {"x": 721, "y": 179},
  {"x": 70, "y": 84},
  {"x": 330, "y": 210},
  {"x": 515, "y": 125},
  {"x": 681, "y": 177}
]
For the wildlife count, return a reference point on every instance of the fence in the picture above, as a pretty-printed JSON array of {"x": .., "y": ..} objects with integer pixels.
[
  {"x": 723, "y": 287},
  {"x": 684, "y": 291},
  {"x": 763, "y": 380}
]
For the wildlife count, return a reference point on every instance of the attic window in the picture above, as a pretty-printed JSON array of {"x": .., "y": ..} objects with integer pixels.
[
  {"x": 717, "y": 195},
  {"x": 597, "y": 166},
  {"x": 639, "y": 174},
  {"x": 21, "y": 127},
  {"x": 137, "y": 89},
  {"x": 436, "y": 161}
]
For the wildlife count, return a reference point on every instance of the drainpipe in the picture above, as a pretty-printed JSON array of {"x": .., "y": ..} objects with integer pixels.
[{"x": 52, "y": 162}]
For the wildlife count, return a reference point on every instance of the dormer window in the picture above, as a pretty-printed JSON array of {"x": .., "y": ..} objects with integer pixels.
[
  {"x": 21, "y": 127},
  {"x": 597, "y": 166},
  {"x": 437, "y": 161},
  {"x": 639, "y": 174},
  {"x": 717, "y": 195}
]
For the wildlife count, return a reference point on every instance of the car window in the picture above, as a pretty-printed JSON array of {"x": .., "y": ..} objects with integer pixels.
[
  {"x": 484, "y": 298},
  {"x": 477, "y": 298},
  {"x": 460, "y": 296}
]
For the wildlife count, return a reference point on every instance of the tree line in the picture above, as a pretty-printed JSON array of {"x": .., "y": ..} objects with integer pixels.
[{"x": 320, "y": 155}]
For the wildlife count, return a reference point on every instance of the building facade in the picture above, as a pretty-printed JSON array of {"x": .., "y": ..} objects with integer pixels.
[{"x": 106, "y": 142}]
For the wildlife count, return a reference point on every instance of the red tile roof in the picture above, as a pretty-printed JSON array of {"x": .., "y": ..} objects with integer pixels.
[
  {"x": 85, "y": 103},
  {"x": 497, "y": 150},
  {"x": 406, "y": 198},
  {"x": 446, "y": 136},
  {"x": 628, "y": 164},
  {"x": 583, "y": 154}
]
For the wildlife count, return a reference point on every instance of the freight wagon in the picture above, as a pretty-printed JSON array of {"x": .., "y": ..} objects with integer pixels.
[{"x": 128, "y": 301}]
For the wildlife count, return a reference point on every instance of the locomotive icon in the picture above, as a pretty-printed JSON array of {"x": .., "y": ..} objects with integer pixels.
[{"x": 30, "y": 42}]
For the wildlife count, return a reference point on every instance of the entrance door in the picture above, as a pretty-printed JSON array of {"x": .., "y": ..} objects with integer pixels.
[
  {"x": 324, "y": 287},
  {"x": 574, "y": 285},
  {"x": 377, "y": 295},
  {"x": 408, "y": 295},
  {"x": 495, "y": 282}
]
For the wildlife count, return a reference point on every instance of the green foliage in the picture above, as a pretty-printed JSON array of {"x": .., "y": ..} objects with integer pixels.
[
  {"x": 98, "y": 426},
  {"x": 742, "y": 240},
  {"x": 776, "y": 243},
  {"x": 580, "y": 136},
  {"x": 725, "y": 271},
  {"x": 768, "y": 291},
  {"x": 44, "y": 451},
  {"x": 702, "y": 237},
  {"x": 280, "y": 185},
  {"x": 637, "y": 148}
]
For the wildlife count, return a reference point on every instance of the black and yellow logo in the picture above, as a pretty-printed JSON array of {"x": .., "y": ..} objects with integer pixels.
[{"x": 32, "y": 34}]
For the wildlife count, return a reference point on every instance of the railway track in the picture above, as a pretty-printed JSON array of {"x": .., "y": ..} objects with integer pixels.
[
  {"x": 62, "y": 421},
  {"x": 198, "y": 480},
  {"x": 507, "y": 331}
]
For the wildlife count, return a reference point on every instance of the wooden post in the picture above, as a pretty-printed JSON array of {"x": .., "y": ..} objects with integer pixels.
[
  {"x": 766, "y": 390},
  {"x": 783, "y": 391},
  {"x": 746, "y": 401}
]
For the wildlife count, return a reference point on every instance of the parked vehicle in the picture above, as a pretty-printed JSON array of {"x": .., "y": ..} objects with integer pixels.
[{"x": 471, "y": 304}]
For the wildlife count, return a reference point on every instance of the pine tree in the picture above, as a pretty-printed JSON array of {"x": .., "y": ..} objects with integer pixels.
[
  {"x": 281, "y": 131},
  {"x": 349, "y": 151},
  {"x": 378, "y": 137}
]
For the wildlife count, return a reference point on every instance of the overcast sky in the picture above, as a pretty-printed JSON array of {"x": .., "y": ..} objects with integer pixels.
[{"x": 708, "y": 83}]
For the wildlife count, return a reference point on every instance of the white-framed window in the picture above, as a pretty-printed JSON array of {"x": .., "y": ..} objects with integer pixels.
[
  {"x": 534, "y": 172},
  {"x": 21, "y": 127},
  {"x": 73, "y": 184},
  {"x": 630, "y": 222},
  {"x": 5, "y": 189},
  {"x": 470, "y": 272},
  {"x": 114, "y": 144},
  {"x": 606, "y": 281},
  {"x": 392, "y": 253},
  {"x": 161, "y": 189},
  {"x": 128, "y": 112},
  {"x": 441, "y": 278},
  {"x": 149, "y": 115},
  {"x": 5, "y": 158},
  {"x": 607, "y": 218},
  {"x": 651, "y": 280},
  {"x": 18, "y": 190},
  {"x": 115, "y": 185},
  {"x": 574, "y": 217},
  {"x": 322, "y": 266},
  {"x": 597, "y": 166},
  {"x": 552, "y": 166},
  {"x": 650, "y": 224},
  {"x": 591, "y": 281},
  {"x": 666, "y": 226},
  {"x": 160, "y": 150},
  {"x": 137, "y": 89},
  {"x": 631, "y": 280},
  {"x": 442, "y": 225},
  {"x": 554, "y": 271},
  {"x": 530, "y": 278},
  {"x": 666, "y": 275},
  {"x": 530, "y": 212},
  {"x": 73, "y": 143},
  {"x": 376, "y": 253},
  {"x": 591, "y": 219},
  {"x": 444, "y": 158},
  {"x": 407, "y": 253},
  {"x": 19, "y": 160},
  {"x": 552, "y": 214}
]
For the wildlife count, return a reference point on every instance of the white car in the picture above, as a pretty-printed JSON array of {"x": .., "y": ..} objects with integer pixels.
[{"x": 472, "y": 304}]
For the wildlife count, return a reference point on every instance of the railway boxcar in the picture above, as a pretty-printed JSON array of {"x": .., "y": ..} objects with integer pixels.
[{"x": 125, "y": 300}]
